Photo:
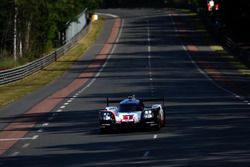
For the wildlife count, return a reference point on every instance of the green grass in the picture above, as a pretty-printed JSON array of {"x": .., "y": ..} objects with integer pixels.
[
  {"x": 240, "y": 67},
  {"x": 7, "y": 62},
  {"x": 14, "y": 91},
  {"x": 227, "y": 56}
]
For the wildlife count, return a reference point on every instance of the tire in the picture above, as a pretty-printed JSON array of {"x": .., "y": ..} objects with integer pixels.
[
  {"x": 104, "y": 130},
  {"x": 164, "y": 119},
  {"x": 158, "y": 126}
]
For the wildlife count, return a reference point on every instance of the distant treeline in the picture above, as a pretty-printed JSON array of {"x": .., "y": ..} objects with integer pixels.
[
  {"x": 234, "y": 14},
  {"x": 231, "y": 11},
  {"x": 133, "y": 3},
  {"x": 31, "y": 27}
]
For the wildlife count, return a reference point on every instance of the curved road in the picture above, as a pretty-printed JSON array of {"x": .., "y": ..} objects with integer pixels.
[{"x": 206, "y": 125}]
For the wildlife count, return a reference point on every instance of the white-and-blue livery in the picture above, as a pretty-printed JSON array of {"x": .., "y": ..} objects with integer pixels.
[{"x": 132, "y": 112}]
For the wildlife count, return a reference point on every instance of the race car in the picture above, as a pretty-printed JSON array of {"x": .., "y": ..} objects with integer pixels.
[{"x": 132, "y": 112}]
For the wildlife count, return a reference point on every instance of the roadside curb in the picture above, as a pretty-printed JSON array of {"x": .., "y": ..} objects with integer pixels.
[
  {"x": 49, "y": 103},
  {"x": 223, "y": 74}
]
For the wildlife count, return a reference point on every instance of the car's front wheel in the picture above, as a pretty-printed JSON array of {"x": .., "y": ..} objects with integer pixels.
[
  {"x": 158, "y": 125},
  {"x": 103, "y": 130}
]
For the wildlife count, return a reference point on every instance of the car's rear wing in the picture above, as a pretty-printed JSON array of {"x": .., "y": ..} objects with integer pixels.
[
  {"x": 118, "y": 100},
  {"x": 161, "y": 99}
]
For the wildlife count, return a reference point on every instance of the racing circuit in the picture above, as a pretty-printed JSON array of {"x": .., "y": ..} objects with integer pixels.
[{"x": 143, "y": 53}]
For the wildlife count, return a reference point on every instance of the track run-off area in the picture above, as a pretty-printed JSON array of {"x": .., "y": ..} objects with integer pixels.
[{"x": 144, "y": 52}]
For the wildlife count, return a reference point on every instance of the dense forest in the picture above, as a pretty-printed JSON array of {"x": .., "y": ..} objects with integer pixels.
[
  {"x": 31, "y": 27},
  {"x": 133, "y": 3},
  {"x": 234, "y": 15}
]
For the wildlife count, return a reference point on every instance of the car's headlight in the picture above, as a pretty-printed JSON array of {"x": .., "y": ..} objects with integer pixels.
[
  {"x": 148, "y": 114},
  {"x": 107, "y": 116}
]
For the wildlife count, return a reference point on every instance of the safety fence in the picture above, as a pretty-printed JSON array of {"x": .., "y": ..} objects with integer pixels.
[
  {"x": 15, "y": 74},
  {"x": 242, "y": 54}
]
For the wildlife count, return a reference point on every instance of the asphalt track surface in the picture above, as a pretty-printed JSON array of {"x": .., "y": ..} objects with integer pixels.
[{"x": 206, "y": 124}]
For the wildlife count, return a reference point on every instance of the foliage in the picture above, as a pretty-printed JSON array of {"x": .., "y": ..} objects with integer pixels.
[
  {"x": 55, "y": 70},
  {"x": 38, "y": 24},
  {"x": 133, "y": 3}
]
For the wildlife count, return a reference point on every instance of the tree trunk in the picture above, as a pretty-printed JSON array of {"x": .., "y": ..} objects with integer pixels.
[
  {"x": 15, "y": 35},
  {"x": 27, "y": 36},
  {"x": 20, "y": 46}
]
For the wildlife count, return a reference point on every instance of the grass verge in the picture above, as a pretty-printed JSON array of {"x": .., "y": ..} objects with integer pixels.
[
  {"x": 240, "y": 67},
  {"x": 227, "y": 56},
  {"x": 14, "y": 91}
]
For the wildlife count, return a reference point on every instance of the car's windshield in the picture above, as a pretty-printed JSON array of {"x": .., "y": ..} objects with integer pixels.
[{"x": 129, "y": 107}]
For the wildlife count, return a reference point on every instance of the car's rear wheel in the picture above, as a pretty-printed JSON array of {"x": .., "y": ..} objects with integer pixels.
[
  {"x": 158, "y": 125},
  {"x": 104, "y": 130},
  {"x": 164, "y": 119}
]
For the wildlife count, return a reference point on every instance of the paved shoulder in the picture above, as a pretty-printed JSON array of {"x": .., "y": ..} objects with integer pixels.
[{"x": 15, "y": 109}]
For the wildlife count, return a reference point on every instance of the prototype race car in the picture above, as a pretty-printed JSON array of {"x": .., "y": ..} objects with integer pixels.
[{"x": 132, "y": 112}]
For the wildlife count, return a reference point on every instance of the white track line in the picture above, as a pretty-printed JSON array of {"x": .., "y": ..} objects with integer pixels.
[
  {"x": 45, "y": 124},
  {"x": 146, "y": 154},
  {"x": 15, "y": 154},
  {"x": 196, "y": 65},
  {"x": 108, "y": 14},
  {"x": 50, "y": 118},
  {"x": 26, "y": 145},
  {"x": 149, "y": 59},
  {"x": 71, "y": 99},
  {"x": 108, "y": 58},
  {"x": 155, "y": 136},
  {"x": 23, "y": 138},
  {"x": 59, "y": 110},
  {"x": 54, "y": 114},
  {"x": 35, "y": 137}
]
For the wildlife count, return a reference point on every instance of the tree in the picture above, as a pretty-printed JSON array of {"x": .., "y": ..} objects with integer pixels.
[
  {"x": 30, "y": 28},
  {"x": 6, "y": 25}
]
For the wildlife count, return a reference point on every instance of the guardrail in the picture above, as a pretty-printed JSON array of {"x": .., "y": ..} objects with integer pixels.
[
  {"x": 238, "y": 52},
  {"x": 12, "y": 75}
]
